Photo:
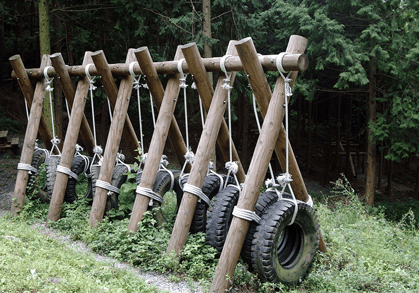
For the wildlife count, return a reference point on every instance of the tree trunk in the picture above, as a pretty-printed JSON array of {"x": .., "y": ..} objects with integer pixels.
[
  {"x": 390, "y": 179},
  {"x": 206, "y": 29},
  {"x": 380, "y": 167},
  {"x": 336, "y": 162},
  {"x": 1, "y": 48},
  {"x": 58, "y": 94},
  {"x": 348, "y": 165},
  {"x": 417, "y": 184},
  {"x": 371, "y": 147},
  {"x": 45, "y": 48},
  {"x": 327, "y": 155}
]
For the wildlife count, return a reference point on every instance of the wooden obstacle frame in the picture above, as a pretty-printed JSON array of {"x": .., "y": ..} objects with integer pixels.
[{"x": 272, "y": 135}]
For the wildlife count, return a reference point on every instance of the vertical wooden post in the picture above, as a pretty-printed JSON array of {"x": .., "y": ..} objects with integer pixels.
[
  {"x": 27, "y": 90},
  {"x": 69, "y": 93},
  {"x": 202, "y": 157},
  {"x": 77, "y": 116},
  {"x": 29, "y": 141},
  {"x": 261, "y": 89},
  {"x": 156, "y": 89},
  {"x": 112, "y": 92},
  {"x": 159, "y": 136},
  {"x": 114, "y": 137},
  {"x": 206, "y": 92}
]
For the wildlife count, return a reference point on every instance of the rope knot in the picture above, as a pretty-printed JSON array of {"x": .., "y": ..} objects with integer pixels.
[
  {"x": 226, "y": 85},
  {"x": 79, "y": 148},
  {"x": 55, "y": 141},
  {"x": 163, "y": 161},
  {"x": 232, "y": 167},
  {"x": 137, "y": 84},
  {"x": 144, "y": 158},
  {"x": 284, "y": 179},
  {"x": 120, "y": 157},
  {"x": 189, "y": 157},
  {"x": 193, "y": 86},
  {"x": 269, "y": 182},
  {"x": 98, "y": 150},
  {"x": 92, "y": 87},
  {"x": 183, "y": 83},
  {"x": 49, "y": 88}
]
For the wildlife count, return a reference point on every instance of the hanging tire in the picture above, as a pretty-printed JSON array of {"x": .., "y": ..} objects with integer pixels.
[
  {"x": 77, "y": 166},
  {"x": 282, "y": 253},
  {"x": 118, "y": 178},
  {"x": 52, "y": 164},
  {"x": 265, "y": 200},
  {"x": 220, "y": 216},
  {"x": 38, "y": 159},
  {"x": 161, "y": 186},
  {"x": 210, "y": 188}
]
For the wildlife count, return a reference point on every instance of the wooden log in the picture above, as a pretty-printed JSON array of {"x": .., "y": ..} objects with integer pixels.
[
  {"x": 261, "y": 89},
  {"x": 27, "y": 90},
  {"x": 112, "y": 92},
  {"x": 206, "y": 92},
  {"x": 29, "y": 141},
  {"x": 69, "y": 93},
  {"x": 202, "y": 157},
  {"x": 158, "y": 139},
  {"x": 156, "y": 89},
  {"x": 115, "y": 133},
  {"x": 251, "y": 188},
  {"x": 294, "y": 62},
  {"x": 74, "y": 125}
]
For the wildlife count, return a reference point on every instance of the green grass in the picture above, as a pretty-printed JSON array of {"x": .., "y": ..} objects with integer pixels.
[
  {"x": 33, "y": 262},
  {"x": 367, "y": 252}
]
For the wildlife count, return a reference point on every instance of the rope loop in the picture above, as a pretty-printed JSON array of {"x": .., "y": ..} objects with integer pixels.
[
  {"x": 183, "y": 78},
  {"x": 27, "y": 167},
  {"x": 89, "y": 77},
  {"x": 287, "y": 80},
  {"x": 136, "y": 77},
  {"x": 48, "y": 79},
  {"x": 150, "y": 194},
  {"x": 245, "y": 214},
  {"x": 197, "y": 192},
  {"x": 107, "y": 186},
  {"x": 223, "y": 69},
  {"x": 67, "y": 171}
]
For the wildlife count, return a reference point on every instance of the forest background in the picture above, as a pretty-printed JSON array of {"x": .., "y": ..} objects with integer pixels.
[{"x": 354, "y": 111}]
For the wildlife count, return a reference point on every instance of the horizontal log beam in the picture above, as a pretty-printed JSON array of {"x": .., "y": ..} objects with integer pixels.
[{"x": 291, "y": 62}]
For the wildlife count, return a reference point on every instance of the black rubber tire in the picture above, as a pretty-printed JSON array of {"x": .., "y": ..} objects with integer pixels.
[
  {"x": 265, "y": 200},
  {"x": 118, "y": 178},
  {"x": 38, "y": 159},
  {"x": 282, "y": 253},
  {"x": 220, "y": 216},
  {"x": 52, "y": 164},
  {"x": 161, "y": 185},
  {"x": 77, "y": 166},
  {"x": 210, "y": 188},
  {"x": 94, "y": 172}
]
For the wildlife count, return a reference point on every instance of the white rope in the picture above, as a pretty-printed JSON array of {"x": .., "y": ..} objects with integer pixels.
[
  {"x": 201, "y": 110},
  {"x": 79, "y": 149},
  {"x": 109, "y": 108},
  {"x": 245, "y": 214},
  {"x": 149, "y": 193},
  {"x": 285, "y": 179},
  {"x": 231, "y": 166},
  {"x": 67, "y": 171},
  {"x": 26, "y": 167},
  {"x": 107, "y": 186},
  {"x": 27, "y": 110},
  {"x": 137, "y": 87},
  {"x": 55, "y": 140},
  {"x": 198, "y": 192}
]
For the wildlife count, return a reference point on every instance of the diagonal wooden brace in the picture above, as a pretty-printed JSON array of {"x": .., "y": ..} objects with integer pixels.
[
  {"x": 29, "y": 141},
  {"x": 76, "y": 120},
  {"x": 69, "y": 93},
  {"x": 202, "y": 157},
  {"x": 115, "y": 132},
  {"x": 158, "y": 140}
]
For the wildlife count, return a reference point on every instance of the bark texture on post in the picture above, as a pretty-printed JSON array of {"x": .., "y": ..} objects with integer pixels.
[
  {"x": 29, "y": 141},
  {"x": 202, "y": 157},
  {"x": 114, "y": 137},
  {"x": 77, "y": 116},
  {"x": 158, "y": 140}
]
